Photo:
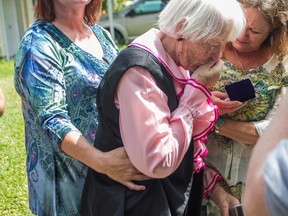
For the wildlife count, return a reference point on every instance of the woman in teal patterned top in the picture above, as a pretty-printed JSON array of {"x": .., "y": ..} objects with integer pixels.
[
  {"x": 58, "y": 67},
  {"x": 259, "y": 54}
]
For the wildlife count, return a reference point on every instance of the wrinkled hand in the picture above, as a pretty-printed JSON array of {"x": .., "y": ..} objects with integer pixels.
[
  {"x": 209, "y": 73},
  {"x": 225, "y": 106},
  {"x": 223, "y": 200},
  {"x": 119, "y": 168}
]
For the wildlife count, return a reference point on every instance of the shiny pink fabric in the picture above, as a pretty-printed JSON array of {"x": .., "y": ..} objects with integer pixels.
[{"x": 155, "y": 139}]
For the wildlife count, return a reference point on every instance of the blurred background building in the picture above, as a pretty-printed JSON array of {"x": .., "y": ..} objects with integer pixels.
[{"x": 15, "y": 18}]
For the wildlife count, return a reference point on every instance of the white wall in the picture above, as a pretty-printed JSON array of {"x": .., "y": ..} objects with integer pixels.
[
  {"x": 2, "y": 32},
  {"x": 15, "y": 17},
  {"x": 11, "y": 27}
]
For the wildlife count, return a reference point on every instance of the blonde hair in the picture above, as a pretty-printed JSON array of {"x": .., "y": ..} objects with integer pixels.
[{"x": 275, "y": 13}]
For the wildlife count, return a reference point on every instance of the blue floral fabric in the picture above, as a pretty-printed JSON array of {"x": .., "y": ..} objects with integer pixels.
[{"x": 57, "y": 82}]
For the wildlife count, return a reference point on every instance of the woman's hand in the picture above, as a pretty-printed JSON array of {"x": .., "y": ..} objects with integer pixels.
[
  {"x": 209, "y": 73},
  {"x": 221, "y": 100},
  {"x": 114, "y": 163},
  {"x": 223, "y": 199},
  {"x": 118, "y": 167}
]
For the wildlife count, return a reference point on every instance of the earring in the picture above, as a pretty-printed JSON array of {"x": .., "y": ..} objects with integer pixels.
[
  {"x": 287, "y": 28},
  {"x": 271, "y": 40}
]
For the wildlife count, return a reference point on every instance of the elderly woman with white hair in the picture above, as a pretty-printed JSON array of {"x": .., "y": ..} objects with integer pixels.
[{"x": 154, "y": 101}]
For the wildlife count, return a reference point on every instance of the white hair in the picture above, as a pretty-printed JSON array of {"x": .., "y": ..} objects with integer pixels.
[{"x": 202, "y": 19}]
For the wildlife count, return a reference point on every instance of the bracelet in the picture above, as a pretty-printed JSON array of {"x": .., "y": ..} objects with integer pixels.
[{"x": 219, "y": 124}]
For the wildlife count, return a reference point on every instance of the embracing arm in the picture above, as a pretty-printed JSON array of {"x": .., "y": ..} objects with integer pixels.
[
  {"x": 114, "y": 163},
  {"x": 50, "y": 111}
]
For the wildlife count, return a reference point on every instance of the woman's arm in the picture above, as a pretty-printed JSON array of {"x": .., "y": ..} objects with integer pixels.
[
  {"x": 50, "y": 111},
  {"x": 114, "y": 164},
  {"x": 249, "y": 132},
  {"x": 244, "y": 132},
  {"x": 223, "y": 199}
]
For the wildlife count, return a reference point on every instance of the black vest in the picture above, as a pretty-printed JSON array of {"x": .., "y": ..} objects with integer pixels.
[{"x": 169, "y": 196}]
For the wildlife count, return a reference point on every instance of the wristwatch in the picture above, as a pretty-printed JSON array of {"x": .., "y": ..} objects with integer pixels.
[{"x": 219, "y": 124}]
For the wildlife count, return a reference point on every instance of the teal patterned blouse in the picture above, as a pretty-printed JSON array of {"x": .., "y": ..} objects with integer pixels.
[{"x": 57, "y": 82}]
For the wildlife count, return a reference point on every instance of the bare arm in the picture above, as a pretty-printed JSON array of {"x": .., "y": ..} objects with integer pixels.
[
  {"x": 114, "y": 164},
  {"x": 254, "y": 191},
  {"x": 223, "y": 199},
  {"x": 244, "y": 132}
]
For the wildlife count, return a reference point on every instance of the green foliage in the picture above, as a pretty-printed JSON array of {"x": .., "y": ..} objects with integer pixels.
[
  {"x": 13, "y": 180},
  {"x": 117, "y": 5}
]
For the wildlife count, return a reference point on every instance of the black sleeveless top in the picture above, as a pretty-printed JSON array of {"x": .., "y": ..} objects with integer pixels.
[{"x": 168, "y": 196}]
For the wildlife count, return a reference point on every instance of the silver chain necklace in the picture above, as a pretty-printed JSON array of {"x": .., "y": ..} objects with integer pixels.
[{"x": 235, "y": 53}]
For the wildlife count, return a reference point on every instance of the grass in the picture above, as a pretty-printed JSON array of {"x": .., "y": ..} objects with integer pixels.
[{"x": 13, "y": 180}]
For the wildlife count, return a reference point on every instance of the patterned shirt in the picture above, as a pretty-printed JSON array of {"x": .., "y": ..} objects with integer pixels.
[
  {"x": 57, "y": 82},
  {"x": 230, "y": 157}
]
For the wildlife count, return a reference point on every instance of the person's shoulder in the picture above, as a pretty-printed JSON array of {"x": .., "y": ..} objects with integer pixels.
[
  {"x": 274, "y": 61},
  {"x": 36, "y": 41},
  {"x": 103, "y": 35},
  {"x": 97, "y": 28},
  {"x": 36, "y": 33},
  {"x": 285, "y": 61},
  {"x": 100, "y": 30}
]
